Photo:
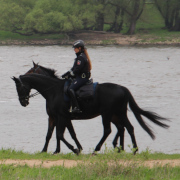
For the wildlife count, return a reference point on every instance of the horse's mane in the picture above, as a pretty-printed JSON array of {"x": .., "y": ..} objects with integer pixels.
[
  {"x": 50, "y": 71},
  {"x": 41, "y": 76}
]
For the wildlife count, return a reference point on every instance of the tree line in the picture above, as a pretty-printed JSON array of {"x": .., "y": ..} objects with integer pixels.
[{"x": 64, "y": 16}]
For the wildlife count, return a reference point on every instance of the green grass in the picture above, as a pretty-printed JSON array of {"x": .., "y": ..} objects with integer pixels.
[
  {"x": 107, "y": 154},
  {"x": 93, "y": 171},
  {"x": 108, "y": 42},
  {"x": 6, "y": 35},
  {"x": 96, "y": 168}
]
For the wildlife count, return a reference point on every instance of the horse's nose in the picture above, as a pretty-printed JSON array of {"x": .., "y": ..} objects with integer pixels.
[
  {"x": 24, "y": 103},
  {"x": 27, "y": 103}
]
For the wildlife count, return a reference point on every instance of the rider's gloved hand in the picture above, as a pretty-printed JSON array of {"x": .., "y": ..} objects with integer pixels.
[{"x": 66, "y": 75}]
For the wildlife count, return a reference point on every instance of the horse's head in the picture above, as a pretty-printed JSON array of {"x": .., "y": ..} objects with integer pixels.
[
  {"x": 23, "y": 91},
  {"x": 35, "y": 69},
  {"x": 42, "y": 70}
]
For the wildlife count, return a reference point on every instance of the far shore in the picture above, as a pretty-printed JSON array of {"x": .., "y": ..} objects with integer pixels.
[{"x": 100, "y": 38}]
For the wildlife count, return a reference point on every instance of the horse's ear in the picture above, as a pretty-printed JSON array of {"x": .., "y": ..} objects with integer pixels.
[
  {"x": 15, "y": 79},
  {"x": 34, "y": 64}
]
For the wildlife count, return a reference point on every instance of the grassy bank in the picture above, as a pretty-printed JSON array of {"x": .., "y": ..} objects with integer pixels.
[
  {"x": 108, "y": 154},
  {"x": 103, "y": 166},
  {"x": 7, "y": 35},
  {"x": 90, "y": 172},
  {"x": 144, "y": 36}
]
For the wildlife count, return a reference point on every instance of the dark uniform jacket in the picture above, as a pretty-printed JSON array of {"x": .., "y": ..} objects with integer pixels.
[{"x": 81, "y": 65}]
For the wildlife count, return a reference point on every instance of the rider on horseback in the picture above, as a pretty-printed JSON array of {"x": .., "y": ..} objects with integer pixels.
[{"x": 80, "y": 72}]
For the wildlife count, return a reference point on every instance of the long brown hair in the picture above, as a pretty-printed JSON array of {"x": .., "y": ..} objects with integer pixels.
[{"x": 89, "y": 60}]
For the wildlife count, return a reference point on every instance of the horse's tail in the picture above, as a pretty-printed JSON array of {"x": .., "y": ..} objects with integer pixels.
[{"x": 155, "y": 118}]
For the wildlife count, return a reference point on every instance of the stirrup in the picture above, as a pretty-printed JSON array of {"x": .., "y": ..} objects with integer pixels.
[{"x": 76, "y": 110}]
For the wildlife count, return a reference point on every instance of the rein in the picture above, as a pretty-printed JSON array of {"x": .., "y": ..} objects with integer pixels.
[
  {"x": 34, "y": 94},
  {"x": 37, "y": 93}
]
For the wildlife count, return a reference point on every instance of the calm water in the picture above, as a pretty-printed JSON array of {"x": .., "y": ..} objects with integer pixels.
[{"x": 151, "y": 74}]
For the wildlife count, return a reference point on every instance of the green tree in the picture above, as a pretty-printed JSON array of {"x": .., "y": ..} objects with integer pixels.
[
  {"x": 86, "y": 11},
  {"x": 176, "y": 26},
  {"x": 13, "y": 13},
  {"x": 100, "y": 13},
  {"x": 134, "y": 11},
  {"x": 170, "y": 11},
  {"x": 128, "y": 11},
  {"x": 48, "y": 16},
  {"x": 118, "y": 7},
  {"x": 54, "y": 16}
]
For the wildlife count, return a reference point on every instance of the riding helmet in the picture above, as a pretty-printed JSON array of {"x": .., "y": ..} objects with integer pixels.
[{"x": 79, "y": 43}]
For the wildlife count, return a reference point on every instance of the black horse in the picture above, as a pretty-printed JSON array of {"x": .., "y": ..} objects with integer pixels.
[
  {"x": 51, "y": 122},
  {"x": 110, "y": 101}
]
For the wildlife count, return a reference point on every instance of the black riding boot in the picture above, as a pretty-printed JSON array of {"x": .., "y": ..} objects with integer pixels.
[{"x": 75, "y": 105}]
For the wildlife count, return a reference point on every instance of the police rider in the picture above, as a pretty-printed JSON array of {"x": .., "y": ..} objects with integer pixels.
[{"x": 80, "y": 72}]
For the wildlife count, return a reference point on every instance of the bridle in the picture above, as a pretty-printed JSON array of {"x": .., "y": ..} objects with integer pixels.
[
  {"x": 34, "y": 94},
  {"x": 35, "y": 69},
  {"x": 24, "y": 87}
]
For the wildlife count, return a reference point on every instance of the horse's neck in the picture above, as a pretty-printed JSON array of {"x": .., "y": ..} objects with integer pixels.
[{"x": 40, "y": 83}]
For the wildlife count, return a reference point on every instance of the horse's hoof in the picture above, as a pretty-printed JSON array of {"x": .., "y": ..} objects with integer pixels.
[
  {"x": 56, "y": 152},
  {"x": 76, "y": 151},
  {"x": 135, "y": 151},
  {"x": 114, "y": 145},
  {"x": 94, "y": 154},
  {"x": 80, "y": 149},
  {"x": 43, "y": 151}
]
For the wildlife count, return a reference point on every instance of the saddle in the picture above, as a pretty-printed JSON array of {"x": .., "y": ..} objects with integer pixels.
[{"x": 85, "y": 92}]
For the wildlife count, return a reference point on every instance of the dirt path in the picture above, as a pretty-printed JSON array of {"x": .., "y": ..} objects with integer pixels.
[{"x": 72, "y": 163}]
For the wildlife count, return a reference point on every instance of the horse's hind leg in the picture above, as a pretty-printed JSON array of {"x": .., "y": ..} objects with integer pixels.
[
  {"x": 49, "y": 133},
  {"x": 115, "y": 141},
  {"x": 120, "y": 127},
  {"x": 107, "y": 131},
  {"x": 130, "y": 130},
  {"x": 73, "y": 134},
  {"x": 120, "y": 134}
]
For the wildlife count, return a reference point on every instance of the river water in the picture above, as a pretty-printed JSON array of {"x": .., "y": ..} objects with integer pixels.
[{"x": 152, "y": 74}]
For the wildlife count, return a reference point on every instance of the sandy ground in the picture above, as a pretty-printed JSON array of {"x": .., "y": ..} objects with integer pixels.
[{"x": 72, "y": 163}]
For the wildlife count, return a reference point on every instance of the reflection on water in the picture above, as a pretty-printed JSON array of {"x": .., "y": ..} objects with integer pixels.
[{"x": 151, "y": 74}]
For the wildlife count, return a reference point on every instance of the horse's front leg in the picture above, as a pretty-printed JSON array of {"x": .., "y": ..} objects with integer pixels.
[
  {"x": 57, "y": 142},
  {"x": 60, "y": 128},
  {"x": 73, "y": 134},
  {"x": 49, "y": 133}
]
